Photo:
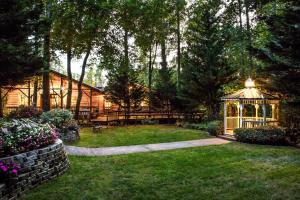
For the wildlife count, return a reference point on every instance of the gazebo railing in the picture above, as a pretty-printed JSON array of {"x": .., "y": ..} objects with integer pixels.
[{"x": 248, "y": 122}]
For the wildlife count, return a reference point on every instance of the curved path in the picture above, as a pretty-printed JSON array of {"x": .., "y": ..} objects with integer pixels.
[{"x": 104, "y": 151}]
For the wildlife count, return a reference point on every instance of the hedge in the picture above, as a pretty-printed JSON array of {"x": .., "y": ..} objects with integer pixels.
[{"x": 261, "y": 135}]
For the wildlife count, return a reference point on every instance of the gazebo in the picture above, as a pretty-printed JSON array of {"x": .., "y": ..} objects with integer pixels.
[{"x": 248, "y": 108}]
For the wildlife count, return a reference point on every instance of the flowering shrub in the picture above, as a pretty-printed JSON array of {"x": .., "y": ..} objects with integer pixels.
[
  {"x": 70, "y": 126},
  {"x": 21, "y": 135},
  {"x": 57, "y": 117},
  {"x": 25, "y": 112},
  {"x": 10, "y": 169}
]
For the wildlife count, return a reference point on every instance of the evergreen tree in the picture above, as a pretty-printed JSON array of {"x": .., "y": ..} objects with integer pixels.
[
  {"x": 19, "y": 20},
  {"x": 205, "y": 64},
  {"x": 122, "y": 89},
  {"x": 281, "y": 54}
]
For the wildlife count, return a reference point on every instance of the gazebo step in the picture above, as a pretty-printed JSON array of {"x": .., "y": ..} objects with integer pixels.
[{"x": 227, "y": 137}]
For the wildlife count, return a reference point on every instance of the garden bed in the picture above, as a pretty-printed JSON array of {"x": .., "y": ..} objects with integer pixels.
[{"x": 35, "y": 167}]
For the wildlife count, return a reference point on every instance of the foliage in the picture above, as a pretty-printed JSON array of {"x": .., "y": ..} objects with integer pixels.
[
  {"x": 69, "y": 131},
  {"x": 281, "y": 51},
  {"x": 18, "y": 60},
  {"x": 205, "y": 67},
  {"x": 124, "y": 90},
  {"x": 57, "y": 117},
  {"x": 71, "y": 125},
  {"x": 261, "y": 135},
  {"x": 291, "y": 120},
  {"x": 212, "y": 127},
  {"x": 1, "y": 146},
  {"x": 25, "y": 112},
  {"x": 22, "y": 135},
  {"x": 149, "y": 122}
]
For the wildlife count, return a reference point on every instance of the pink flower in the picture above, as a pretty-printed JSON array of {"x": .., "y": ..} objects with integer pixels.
[
  {"x": 4, "y": 168},
  {"x": 14, "y": 171}
]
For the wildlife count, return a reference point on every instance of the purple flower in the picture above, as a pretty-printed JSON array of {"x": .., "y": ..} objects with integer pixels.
[
  {"x": 14, "y": 171},
  {"x": 4, "y": 168}
]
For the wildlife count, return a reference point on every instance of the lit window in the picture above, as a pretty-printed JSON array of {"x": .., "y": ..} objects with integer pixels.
[{"x": 107, "y": 104}]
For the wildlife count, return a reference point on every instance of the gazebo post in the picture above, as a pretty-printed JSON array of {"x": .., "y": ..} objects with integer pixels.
[
  {"x": 256, "y": 111},
  {"x": 264, "y": 113},
  {"x": 225, "y": 116},
  {"x": 273, "y": 111},
  {"x": 241, "y": 115},
  {"x": 238, "y": 114}
]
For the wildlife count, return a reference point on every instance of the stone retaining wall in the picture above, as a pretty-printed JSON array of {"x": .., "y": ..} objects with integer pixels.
[{"x": 37, "y": 166}]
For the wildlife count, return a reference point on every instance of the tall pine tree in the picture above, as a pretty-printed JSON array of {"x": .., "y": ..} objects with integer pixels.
[{"x": 205, "y": 64}]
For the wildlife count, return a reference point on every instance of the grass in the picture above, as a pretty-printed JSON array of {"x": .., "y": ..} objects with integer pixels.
[
  {"x": 140, "y": 134},
  {"x": 231, "y": 171}
]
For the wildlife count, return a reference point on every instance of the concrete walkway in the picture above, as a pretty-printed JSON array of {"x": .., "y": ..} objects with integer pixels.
[{"x": 104, "y": 151}]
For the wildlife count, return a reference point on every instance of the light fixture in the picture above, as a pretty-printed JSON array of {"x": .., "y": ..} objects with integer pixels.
[{"x": 249, "y": 83}]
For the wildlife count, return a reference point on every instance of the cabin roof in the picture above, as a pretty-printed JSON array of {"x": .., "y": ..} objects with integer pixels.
[{"x": 66, "y": 77}]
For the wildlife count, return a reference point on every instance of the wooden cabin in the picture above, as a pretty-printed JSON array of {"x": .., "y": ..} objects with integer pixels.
[
  {"x": 92, "y": 102},
  {"x": 93, "y": 107}
]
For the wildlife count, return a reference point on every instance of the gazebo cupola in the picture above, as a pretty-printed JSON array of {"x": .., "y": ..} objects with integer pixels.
[{"x": 248, "y": 108}]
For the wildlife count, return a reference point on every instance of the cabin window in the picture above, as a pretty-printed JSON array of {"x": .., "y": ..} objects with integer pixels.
[
  {"x": 107, "y": 104},
  {"x": 23, "y": 99}
]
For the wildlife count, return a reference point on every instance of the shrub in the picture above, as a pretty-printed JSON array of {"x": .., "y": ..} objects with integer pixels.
[
  {"x": 215, "y": 127},
  {"x": 261, "y": 135},
  {"x": 21, "y": 135},
  {"x": 1, "y": 147},
  {"x": 57, "y": 117},
  {"x": 291, "y": 121},
  {"x": 70, "y": 131},
  {"x": 149, "y": 122},
  {"x": 212, "y": 127},
  {"x": 25, "y": 112}
]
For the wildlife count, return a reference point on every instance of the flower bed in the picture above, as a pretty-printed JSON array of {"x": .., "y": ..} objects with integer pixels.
[
  {"x": 22, "y": 135},
  {"x": 26, "y": 170}
]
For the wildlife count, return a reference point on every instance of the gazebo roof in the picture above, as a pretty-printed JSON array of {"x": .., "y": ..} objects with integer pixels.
[{"x": 249, "y": 93}]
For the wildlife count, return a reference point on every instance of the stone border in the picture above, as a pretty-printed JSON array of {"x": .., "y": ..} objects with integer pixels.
[{"x": 37, "y": 166}]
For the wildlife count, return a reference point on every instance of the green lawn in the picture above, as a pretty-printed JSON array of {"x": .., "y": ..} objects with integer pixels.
[
  {"x": 140, "y": 134},
  {"x": 231, "y": 171}
]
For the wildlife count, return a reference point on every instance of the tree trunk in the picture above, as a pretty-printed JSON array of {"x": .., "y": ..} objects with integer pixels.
[
  {"x": 178, "y": 45},
  {"x": 249, "y": 34},
  {"x": 80, "y": 82},
  {"x": 126, "y": 50},
  {"x": 35, "y": 91},
  {"x": 46, "y": 78},
  {"x": 46, "y": 55},
  {"x": 1, "y": 103},
  {"x": 163, "y": 55},
  {"x": 150, "y": 70},
  {"x": 242, "y": 38},
  {"x": 70, "y": 80},
  {"x": 126, "y": 73}
]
